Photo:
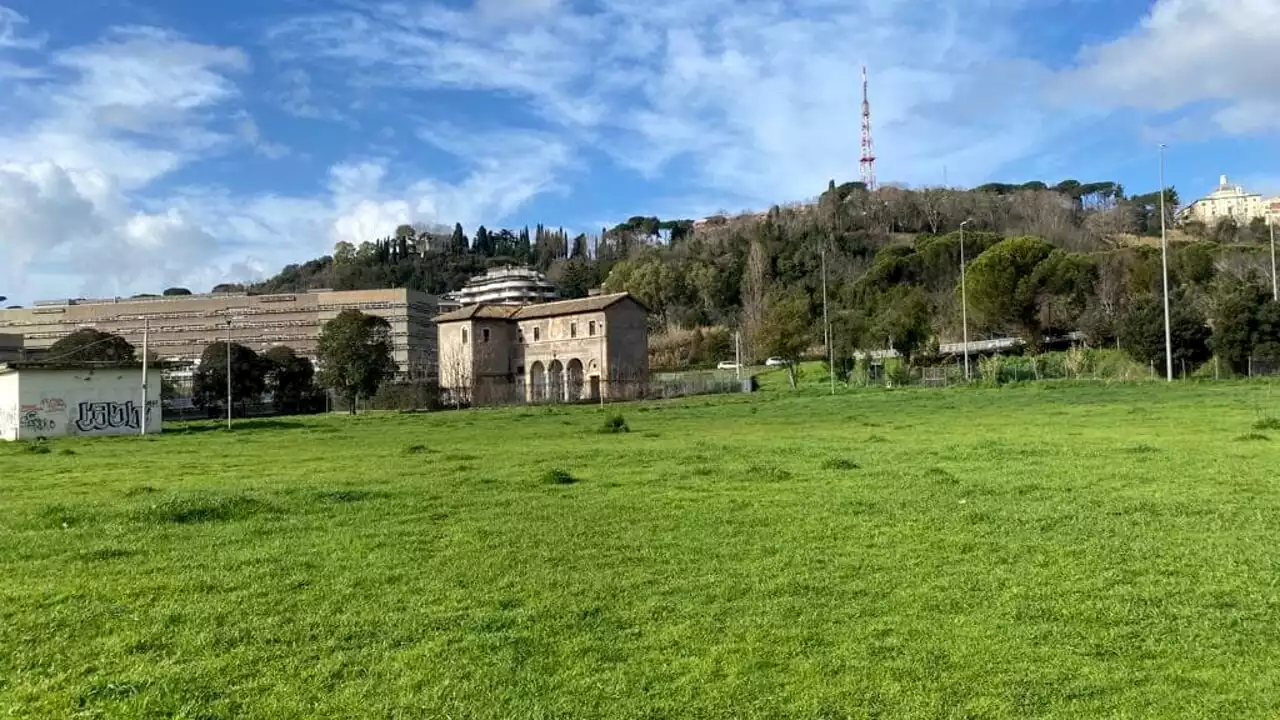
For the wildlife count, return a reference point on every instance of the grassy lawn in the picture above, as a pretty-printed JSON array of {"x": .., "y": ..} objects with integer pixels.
[{"x": 1067, "y": 551}]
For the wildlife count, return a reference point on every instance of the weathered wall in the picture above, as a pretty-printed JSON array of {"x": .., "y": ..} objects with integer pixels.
[
  {"x": 9, "y": 406},
  {"x": 628, "y": 360},
  {"x": 53, "y": 403}
]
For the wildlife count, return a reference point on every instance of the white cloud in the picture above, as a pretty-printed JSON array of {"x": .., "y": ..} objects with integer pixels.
[
  {"x": 13, "y": 33},
  {"x": 750, "y": 102},
  {"x": 1185, "y": 52},
  {"x": 83, "y": 210}
]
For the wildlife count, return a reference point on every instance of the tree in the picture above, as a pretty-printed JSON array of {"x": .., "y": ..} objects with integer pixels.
[
  {"x": 176, "y": 291},
  {"x": 344, "y": 253},
  {"x": 289, "y": 379},
  {"x": 92, "y": 345},
  {"x": 1003, "y": 287},
  {"x": 355, "y": 355},
  {"x": 248, "y": 376},
  {"x": 903, "y": 321},
  {"x": 1235, "y": 324},
  {"x": 458, "y": 241},
  {"x": 1266, "y": 343},
  {"x": 579, "y": 246},
  {"x": 482, "y": 246},
  {"x": 787, "y": 330},
  {"x": 1142, "y": 333}
]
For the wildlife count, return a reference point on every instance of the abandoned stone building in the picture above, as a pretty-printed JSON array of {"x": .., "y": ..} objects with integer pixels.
[{"x": 566, "y": 351}]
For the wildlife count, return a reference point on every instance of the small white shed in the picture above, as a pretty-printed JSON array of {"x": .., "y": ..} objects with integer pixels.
[{"x": 40, "y": 399}]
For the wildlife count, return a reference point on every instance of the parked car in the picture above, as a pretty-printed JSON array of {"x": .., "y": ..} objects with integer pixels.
[
  {"x": 775, "y": 362},
  {"x": 727, "y": 365}
]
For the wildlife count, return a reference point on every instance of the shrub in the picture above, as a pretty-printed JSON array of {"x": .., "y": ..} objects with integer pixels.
[
  {"x": 556, "y": 476},
  {"x": 615, "y": 424}
]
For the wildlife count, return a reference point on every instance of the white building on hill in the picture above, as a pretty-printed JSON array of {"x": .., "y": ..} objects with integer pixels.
[
  {"x": 1231, "y": 201},
  {"x": 505, "y": 286}
]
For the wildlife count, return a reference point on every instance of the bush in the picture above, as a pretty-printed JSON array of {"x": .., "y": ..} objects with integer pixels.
[
  {"x": 615, "y": 424},
  {"x": 556, "y": 476}
]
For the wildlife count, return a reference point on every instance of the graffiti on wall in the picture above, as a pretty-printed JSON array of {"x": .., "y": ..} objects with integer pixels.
[
  {"x": 100, "y": 416},
  {"x": 34, "y": 418}
]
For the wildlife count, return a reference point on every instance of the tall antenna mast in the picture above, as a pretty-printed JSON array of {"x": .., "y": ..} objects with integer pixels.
[{"x": 868, "y": 163}]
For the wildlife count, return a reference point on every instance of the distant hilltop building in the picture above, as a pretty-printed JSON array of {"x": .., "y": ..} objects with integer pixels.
[
  {"x": 1231, "y": 201},
  {"x": 507, "y": 285}
]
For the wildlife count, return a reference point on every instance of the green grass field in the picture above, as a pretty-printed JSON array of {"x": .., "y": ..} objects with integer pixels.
[{"x": 1066, "y": 551}]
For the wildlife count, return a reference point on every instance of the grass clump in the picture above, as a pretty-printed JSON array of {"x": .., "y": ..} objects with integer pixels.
[
  {"x": 39, "y": 446},
  {"x": 845, "y": 464},
  {"x": 615, "y": 424},
  {"x": 1251, "y": 437},
  {"x": 557, "y": 476},
  {"x": 205, "y": 508},
  {"x": 1267, "y": 423}
]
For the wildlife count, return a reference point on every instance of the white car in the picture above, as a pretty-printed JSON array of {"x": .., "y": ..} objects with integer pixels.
[
  {"x": 727, "y": 365},
  {"x": 775, "y": 362}
]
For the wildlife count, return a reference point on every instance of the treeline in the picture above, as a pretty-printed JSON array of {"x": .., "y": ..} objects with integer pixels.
[{"x": 354, "y": 352}]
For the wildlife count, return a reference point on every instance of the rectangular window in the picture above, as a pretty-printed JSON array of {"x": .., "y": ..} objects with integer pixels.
[
  {"x": 536, "y": 334},
  {"x": 573, "y": 330},
  {"x": 591, "y": 328},
  {"x": 464, "y": 336},
  {"x": 520, "y": 337},
  {"x": 484, "y": 335}
]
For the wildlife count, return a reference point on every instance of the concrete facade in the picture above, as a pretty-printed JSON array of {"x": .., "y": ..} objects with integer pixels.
[
  {"x": 11, "y": 348},
  {"x": 182, "y": 326},
  {"x": 551, "y": 352},
  {"x": 39, "y": 400}
]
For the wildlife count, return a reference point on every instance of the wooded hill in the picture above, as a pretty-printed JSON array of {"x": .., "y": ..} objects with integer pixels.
[{"x": 1042, "y": 259}]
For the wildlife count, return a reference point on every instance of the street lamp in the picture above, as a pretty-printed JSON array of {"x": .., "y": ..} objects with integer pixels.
[
  {"x": 1271, "y": 223},
  {"x": 228, "y": 373},
  {"x": 826, "y": 326},
  {"x": 1164, "y": 262},
  {"x": 964, "y": 302}
]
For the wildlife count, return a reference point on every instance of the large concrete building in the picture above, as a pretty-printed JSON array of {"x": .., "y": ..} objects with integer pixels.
[
  {"x": 561, "y": 351},
  {"x": 11, "y": 348},
  {"x": 507, "y": 285},
  {"x": 1231, "y": 201},
  {"x": 181, "y": 326}
]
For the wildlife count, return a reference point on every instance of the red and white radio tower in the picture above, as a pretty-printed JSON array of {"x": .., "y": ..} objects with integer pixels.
[{"x": 868, "y": 163}]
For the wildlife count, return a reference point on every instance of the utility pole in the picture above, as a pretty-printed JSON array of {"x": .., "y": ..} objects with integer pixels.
[
  {"x": 826, "y": 325},
  {"x": 228, "y": 373},
  {"x": 1164, "y": 262},
  {"x": 1275, "y": 290},
  {"x": 964, "y": 303},
  {"x": 146, "y": 326},
  {"x": 737, "y": 354}
]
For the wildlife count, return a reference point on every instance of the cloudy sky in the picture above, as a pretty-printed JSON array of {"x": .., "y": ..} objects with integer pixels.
[{"x": 150, "y": 143}]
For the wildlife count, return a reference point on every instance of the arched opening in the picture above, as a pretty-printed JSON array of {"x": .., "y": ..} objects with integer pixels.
[
  {"x": 576, "y": 378},
  {"x": 537, "y": 382},
  {"x": 555, "y": 381}
]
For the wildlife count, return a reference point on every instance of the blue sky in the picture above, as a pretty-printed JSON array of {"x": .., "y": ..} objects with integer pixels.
[{"x": 149, "y": 143}]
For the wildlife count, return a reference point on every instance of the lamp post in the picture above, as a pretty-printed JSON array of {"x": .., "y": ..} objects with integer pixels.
[
  {"x": 826, "y": 326},
  {"x": 228, "y": 373},
  {"x": 964, "y": 302},
  {"x": 1164, "y": 262},
  {"x": 1275, "y": 291}
]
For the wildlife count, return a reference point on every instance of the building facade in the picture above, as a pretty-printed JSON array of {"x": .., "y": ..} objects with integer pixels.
[
  {"x": 565, "y": 351},
  {"x": 505, "y": 286},
  {"x": 180, "y": 327},
  {"x": 11, "y": 348},
  {"x": 52, "y": 400},
  {"x": 1231, "y": 201}
]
